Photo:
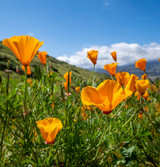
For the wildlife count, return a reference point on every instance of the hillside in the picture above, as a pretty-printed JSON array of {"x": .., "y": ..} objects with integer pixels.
[{"x": 58, "y": 66}]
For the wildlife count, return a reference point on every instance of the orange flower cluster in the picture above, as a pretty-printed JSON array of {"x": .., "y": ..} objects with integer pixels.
[{"x": 106, "y": 96}]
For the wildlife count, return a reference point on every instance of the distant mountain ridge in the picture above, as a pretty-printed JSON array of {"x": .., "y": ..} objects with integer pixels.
[{"x": 152, "y": 69}]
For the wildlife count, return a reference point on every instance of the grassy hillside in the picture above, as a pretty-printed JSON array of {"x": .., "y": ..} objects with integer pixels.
[{"x": 58, "y": 66}]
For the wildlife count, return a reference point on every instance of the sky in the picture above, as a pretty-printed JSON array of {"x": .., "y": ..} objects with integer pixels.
[{"x": 71, "y": 28}]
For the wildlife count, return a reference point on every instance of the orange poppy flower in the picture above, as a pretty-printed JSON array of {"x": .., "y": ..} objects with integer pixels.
[
  {"x": 138, "y": 95},
  {"x": 24, "y": 47},
  {"x": 146, "y": 95},
  {"x": 141, "y": 64},
  {"x": 49, "y": 128},
  {"x": 159, "y": 59},
  {"x": 28, "y": 69},
  {"x": 30, "y": 82},
  {"x": 111, "y": 68},
  {"x": 106, "y": 96},
  {"x": 92, "y": 55},
  {"x": 131, "y": 83},
  {"x": 122, "y": 78},
  {"x": 77, "y": 89},
  {"x": 114, "y": 55},
  {"x": 144, "y": 76},
  {"x": 66, "y": 76},
  {"x": 66, "y": 86},
  {"x": 42, "y": 57},
  {"x": 142, "y": 85}
]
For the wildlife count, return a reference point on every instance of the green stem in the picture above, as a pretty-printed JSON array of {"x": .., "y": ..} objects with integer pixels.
[
  {"x": 91, "y": 74},
  {"x": 25, "y": 93}
]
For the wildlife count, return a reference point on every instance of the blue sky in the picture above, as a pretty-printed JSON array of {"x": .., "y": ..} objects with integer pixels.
[{"x": 70, "y": 28}]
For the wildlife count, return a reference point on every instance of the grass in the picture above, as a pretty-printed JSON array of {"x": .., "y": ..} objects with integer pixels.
[{"x": 128, "y": 136}]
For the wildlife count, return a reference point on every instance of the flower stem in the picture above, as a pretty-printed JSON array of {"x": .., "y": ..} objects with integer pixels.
[
  {"x": 25, "y": 93},
  {"x": 91, "y": 74}
]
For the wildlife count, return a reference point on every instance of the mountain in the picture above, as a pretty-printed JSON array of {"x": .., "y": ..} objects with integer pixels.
[
  {"x": 58, "y": 66},
  {"x": 152, "y": 69}
]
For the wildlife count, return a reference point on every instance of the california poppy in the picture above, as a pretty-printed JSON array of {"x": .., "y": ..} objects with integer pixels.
[
  {"x": 28, "y": 69},
  {"x": 49, "y": 128},
  {"x": 42, "y": 57},
  {"x": 114, "y": 55},
  {"x": 142, "y": 86},
  {"x": 111, "y": 68},
  {"x": 66, "y": 78},
  {"x": 92, "y": 55},
  {"x": 144, "y": 76},
  {"x": 122, "y": 78},
  {"x": 24, "y": 47},
  {"x": 106, "y": 96},
  {"x": 77, "y": 89},
  {"x": 141, "y": 64},
  {"x": 30, "y": 82},
  {"x": 131, "y": 85}
]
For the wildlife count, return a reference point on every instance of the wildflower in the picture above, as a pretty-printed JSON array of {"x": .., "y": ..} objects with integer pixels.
[
  {"x": 42, "y": 57},
  {"x": 131, "y": 83},
  {"x": 142, "y": 85},
  {"x": 66, "y": 78},
  {"x": 111, "y": 68},
  {"x": 138, "y": 95},
  {"x": 141, "y": 64},
  {"x": 67, "y": 94},
  {"x": 140, "y": 115},
  {"x": 30, "y": 82},
  {"x": 28, "y": 69},
  {"x": 24, "y": 47},
  {"x": 92, "y": 55},
  {"x": 49, "y": 128},
  {"x": 122, "y": 78},
  {"x": 146, "y": 95},
  {"x": 84, "y": 115},
  {"x": 114, "y": 55},
  {"x": 106, "y": 96},
  {"x": 144, "y": 76},
  {"x": 77, "y": 89}
]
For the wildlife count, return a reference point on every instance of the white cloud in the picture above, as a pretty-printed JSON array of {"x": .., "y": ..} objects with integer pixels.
[{"x": 126, "y": 53}]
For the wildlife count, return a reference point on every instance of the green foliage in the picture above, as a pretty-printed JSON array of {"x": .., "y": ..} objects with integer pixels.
[{"x": 88, "y": 137}]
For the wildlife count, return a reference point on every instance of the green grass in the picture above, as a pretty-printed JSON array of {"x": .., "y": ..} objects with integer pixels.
[{"x": 129, "y": 136}]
